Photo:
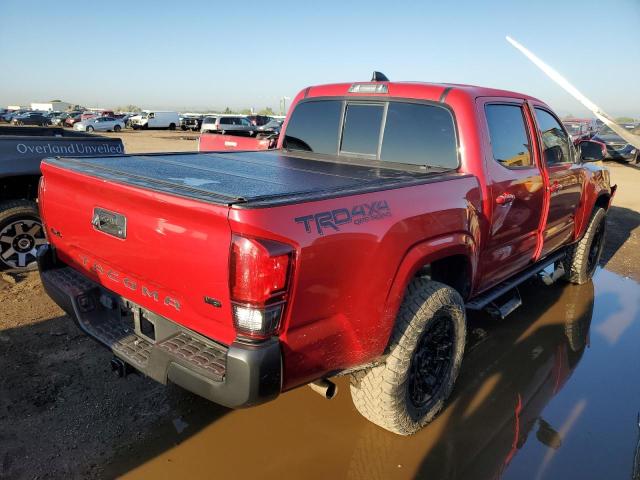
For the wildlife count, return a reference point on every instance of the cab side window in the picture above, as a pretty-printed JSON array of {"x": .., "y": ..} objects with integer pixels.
[
  {"x": 508, "y": 132},
  {"x": 556, "y": 143}
]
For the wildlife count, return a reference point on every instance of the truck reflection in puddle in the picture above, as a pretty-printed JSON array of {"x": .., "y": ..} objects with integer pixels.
[{"x": 500, "y": 422}]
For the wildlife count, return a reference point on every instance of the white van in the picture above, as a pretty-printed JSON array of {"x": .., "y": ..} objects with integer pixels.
[{"x": 155, "y": 119}]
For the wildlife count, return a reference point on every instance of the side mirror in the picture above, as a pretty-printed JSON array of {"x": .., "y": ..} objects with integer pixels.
[{"x": 591, "y": 151}]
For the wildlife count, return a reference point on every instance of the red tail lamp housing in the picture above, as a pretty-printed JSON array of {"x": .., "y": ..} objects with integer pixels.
[{"x": 260, "y": 273}]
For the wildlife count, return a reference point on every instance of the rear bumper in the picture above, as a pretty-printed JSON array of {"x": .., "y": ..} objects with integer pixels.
[{"x": 240, "y": 375}]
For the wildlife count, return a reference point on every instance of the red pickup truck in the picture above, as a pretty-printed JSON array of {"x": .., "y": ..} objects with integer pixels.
[{"x": 355, "y": 247}]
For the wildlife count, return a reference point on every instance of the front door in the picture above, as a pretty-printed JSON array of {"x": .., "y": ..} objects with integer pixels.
[
  {"x": 516, "y": 190},
  {"x": 564, "y": 184}
]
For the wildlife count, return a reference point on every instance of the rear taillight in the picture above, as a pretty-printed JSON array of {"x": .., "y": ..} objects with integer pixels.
[{"x": 259, "y": 280}]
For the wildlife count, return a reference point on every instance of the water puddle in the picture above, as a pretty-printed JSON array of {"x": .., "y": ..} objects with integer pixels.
[{"x": 551, "y": 392}]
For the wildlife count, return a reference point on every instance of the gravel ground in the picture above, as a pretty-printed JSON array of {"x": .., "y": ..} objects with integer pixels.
[{"x": 63, "y": 415}]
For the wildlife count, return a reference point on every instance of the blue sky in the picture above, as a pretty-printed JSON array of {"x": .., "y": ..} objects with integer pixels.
[{"x": 213, "y": 54}]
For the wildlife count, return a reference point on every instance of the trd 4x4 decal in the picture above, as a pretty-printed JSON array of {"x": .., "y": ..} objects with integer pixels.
[{"x": 358, "y": 214}]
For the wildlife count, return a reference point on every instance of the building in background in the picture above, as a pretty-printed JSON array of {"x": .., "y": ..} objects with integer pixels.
[{"x": 53, "y": 106}]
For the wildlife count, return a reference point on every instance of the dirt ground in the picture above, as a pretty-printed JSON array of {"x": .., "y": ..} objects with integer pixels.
[{"x": 64, "y": 415}]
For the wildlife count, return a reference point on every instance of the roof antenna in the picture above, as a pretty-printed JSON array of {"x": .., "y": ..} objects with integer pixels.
[{"x": 379, "y": 77}]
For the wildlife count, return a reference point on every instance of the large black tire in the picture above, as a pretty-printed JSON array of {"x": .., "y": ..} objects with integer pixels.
[
  {"x": 392, "y": 394},
  {"x": 172, "y": 126},
  {"x": 583, "y": 257},
  {"x": 21, "y": 233}
]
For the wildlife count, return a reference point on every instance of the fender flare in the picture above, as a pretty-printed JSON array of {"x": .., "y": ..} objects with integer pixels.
[
  {"x": 415, "y": 258},
  {"x": 587, "y": 212}
]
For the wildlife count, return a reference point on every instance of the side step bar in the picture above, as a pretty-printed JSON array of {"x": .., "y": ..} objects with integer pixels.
[{"x": 484, "y": 299}]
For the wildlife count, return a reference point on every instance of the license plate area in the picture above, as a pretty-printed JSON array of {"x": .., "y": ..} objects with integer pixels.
[{"x": 131, "y": 317}]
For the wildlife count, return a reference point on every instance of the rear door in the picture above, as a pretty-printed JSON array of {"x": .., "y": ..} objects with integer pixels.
[
  {"x": 516, "y": 189},
  {"x": 565, "y": 180}
]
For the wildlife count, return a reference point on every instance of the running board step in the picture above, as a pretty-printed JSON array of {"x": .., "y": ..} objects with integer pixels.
[
  {"x": 504, "y": 305},
  {"x": 484, "y": 299}
]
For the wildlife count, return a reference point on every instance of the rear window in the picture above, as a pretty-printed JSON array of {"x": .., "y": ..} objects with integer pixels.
[
  {"x": 361, "y": 133},
  {"x": 412, "y": 133},
  {"x": 314, "y": 127}
]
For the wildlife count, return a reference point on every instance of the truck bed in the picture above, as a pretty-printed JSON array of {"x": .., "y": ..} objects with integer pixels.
[{"x": 244, "y": 178}]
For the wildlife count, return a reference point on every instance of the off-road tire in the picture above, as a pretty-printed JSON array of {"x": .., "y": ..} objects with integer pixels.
[
  {"x": 576, "y": 263},
  {"x": 381, "y": 393},
  {"x": 10, "y": 212}
]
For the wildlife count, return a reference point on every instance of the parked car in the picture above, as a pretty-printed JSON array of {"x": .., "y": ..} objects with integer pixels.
[
  {"x": 191, "y": 122},
  {"x": 258, "y": 120},
  {"x": 356, "y": 247},
  {"x": 155, "y": 119},
  {"x": 99, "y": 124},
  {"x": 577, "y": 130},
  {"x": 228, "y": 124},
  {"x": 270, "y": 128},
  {"x": 21, "y": 150},
  {"x": 617, "y": 147},
  {"x": 95, "y": 114},
  {"x": 208, "y": 142},
  {"x": 57, "y": 120},
  {"x": 7, "y": 117},
  {"x": 72, "y": 119},
  {"x": 31, "y": 118}
]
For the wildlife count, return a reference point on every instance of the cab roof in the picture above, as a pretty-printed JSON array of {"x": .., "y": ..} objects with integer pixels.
[{"x": 417, "y": 90}]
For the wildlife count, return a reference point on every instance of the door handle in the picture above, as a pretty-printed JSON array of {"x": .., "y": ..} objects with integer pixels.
[
  {"x": 555, "y": 187},
  {"x": 505, "y": 198}
]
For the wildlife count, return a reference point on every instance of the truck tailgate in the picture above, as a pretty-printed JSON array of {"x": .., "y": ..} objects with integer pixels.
[{"x": 172, "y": 252}]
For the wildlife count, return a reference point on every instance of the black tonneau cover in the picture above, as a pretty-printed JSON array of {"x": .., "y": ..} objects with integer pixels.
[{"x": 243, "y": 178}]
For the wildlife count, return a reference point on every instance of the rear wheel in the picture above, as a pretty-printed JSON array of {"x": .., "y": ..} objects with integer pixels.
[
  {"x": 117, "y": 128},
  {"x": 409, "y": 389},
  {"x": 21, "y": 233},
  {"x": 89, "y": 129},
  {"x": 583, "y": 257}
]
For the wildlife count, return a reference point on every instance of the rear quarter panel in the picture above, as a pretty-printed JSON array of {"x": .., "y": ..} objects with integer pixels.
[{"x": 348, "y": 282}]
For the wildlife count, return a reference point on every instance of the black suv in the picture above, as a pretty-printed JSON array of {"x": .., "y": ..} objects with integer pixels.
[{"x": 191, "y": 122}]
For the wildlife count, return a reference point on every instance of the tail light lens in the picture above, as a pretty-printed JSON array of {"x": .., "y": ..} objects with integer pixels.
[{"x": 259, "y": 271}]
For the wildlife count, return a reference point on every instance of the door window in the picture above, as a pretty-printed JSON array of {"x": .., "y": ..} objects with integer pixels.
[
  {"x": 508, "y": 133},
  {"x": 555, "y": 141}
]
